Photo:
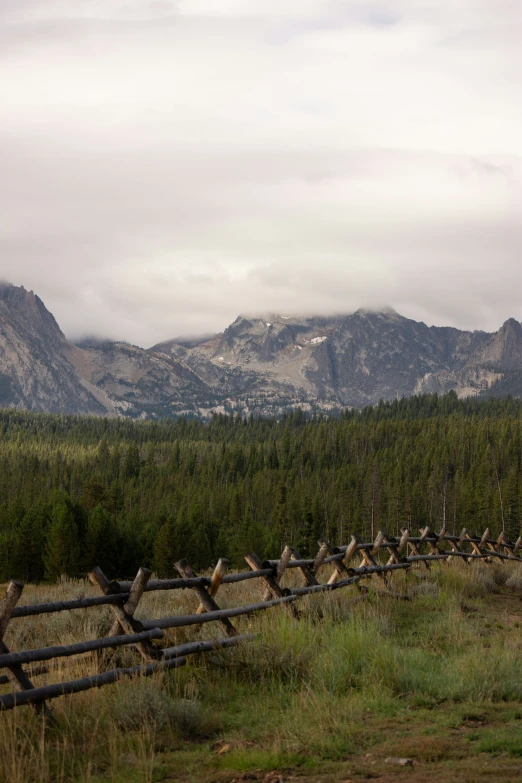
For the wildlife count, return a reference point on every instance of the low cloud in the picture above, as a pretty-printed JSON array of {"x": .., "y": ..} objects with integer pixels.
[{"x": 169, "y": 165}]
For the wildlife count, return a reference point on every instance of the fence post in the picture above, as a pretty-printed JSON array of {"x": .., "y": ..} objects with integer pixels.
[
  {"x": 340, "y": 571},
  {"x": 208, "y": 603},
  {"x": 435, "y": 547},
  {"x": 415, "y": 548},
  {"x": 319, "y": 558},
  {"x": 124, "y": 615},
  {"x": 217, "y": 577},
  {"x": 506, "y": 544},
  {"x": 351, "y": 549},
  {"x": 368, "y": 555},
  {"x": 307, "y": 573},
  {"x": 270, "y": 582},
  {"x": 16, "y": 675},
  {"x": 281, "y": 567},
  {"x": 394, "y": 548},
  {"x": 477, "y": 550}
]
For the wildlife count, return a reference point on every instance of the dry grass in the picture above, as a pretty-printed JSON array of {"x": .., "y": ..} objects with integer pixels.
[{"x": 304, "y": 692}]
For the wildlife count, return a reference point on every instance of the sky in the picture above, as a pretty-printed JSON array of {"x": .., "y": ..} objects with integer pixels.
[{"x": 166, "y": 166}]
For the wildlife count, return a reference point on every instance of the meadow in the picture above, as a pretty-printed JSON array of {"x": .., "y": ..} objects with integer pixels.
[{"x": 340, "y": 694}]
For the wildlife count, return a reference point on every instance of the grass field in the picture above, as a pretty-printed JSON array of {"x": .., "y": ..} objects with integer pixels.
[{"x": 329, "y": 697}]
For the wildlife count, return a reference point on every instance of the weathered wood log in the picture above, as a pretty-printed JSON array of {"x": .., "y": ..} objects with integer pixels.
[
  {"x": 306, "y": 562},
  {"x": 187, "y": 584},
  {"x": 369, "y": 561},
  {"x": 269, "y": 581},
  {"x": 485, "y": 539},
  {"x": 8, "y": 604},
  {"x": 207, "y": 602},
  {"x": 190, "y": 648},
  {"x": 433, "y": 544},
  {"x": 403, "y": 543},
  {"x": 180, "y": 621},
  {"x": 319, "y": 559},
  {"x": 241, "y": 577},
  {"x": 30, "y": 610},
  {"x": 340, "y": 571},
  {"x": 137, "y": 590},
  {"x": 379, "y": 541},
  {"x": 47, "y": 692},
  {"x": 412, "y": 543},
  {"x": 126, "y": 621},
  {"x": 16, "y": 675},
  {"x": 365, "y": 570},
  {"x": 395, "y": 554},
  {"x": 280, "y": 568},
  {"x": 350, "y": 551},
  {"x": 154, "y": 585},
  {"x": 135, "y": 593},
  {"x": 441, "y": 535},
  {"x": 306, "y": 572},
  {"x": 78, "y": 648},
  {"x": 477, "y": 550},
  {"x": 325, "y": 588},
  {"x": 504, "y": 542},
  {"x": 215, "y": 581},
  {"x": 218, "y": 575},
  {"x": 286, "y": 556}
]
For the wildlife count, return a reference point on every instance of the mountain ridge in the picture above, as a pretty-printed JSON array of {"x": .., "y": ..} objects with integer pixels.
[{"x": 264, "y": 363}]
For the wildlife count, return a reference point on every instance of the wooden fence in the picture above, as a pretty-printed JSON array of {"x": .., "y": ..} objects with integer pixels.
[{"x": 380, "y": 558}]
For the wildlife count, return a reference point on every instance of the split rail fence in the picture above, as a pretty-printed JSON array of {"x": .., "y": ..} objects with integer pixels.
[{"x": 144, "y": 637}]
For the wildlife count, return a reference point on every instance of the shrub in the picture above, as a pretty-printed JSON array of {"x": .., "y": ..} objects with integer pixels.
[
  {"x": 145, "y": 702},
  {"x": 514, "y": 582}
]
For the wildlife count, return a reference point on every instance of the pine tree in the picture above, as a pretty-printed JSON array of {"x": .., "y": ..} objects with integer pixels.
[
  {"x": 102, "y": 543},
  {"x": 62, "y": 547},
  {"x": 165, "y": 554},
  {"x": 132, "y": 461}
]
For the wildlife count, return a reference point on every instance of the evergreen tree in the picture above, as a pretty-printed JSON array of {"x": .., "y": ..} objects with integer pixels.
[
  {"x": 102, "y": 543},
  {"x": 166, "y": 550},
  {"x": 62, "y": 546}
]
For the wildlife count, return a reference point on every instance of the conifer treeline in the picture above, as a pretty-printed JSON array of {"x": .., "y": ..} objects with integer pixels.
[{"x": 77, "y": 491}]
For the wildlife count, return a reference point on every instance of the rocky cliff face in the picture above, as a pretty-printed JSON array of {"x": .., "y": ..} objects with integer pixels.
[
  {"x": 35, "y": 371},
  {"x": 261, "y": 364}
]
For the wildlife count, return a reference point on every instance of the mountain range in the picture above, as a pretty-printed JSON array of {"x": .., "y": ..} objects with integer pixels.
[{"x": 259, "y": 364}]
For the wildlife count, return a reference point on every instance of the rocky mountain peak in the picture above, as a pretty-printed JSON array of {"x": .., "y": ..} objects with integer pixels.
[
  {"x": 35, "y": 367},
  {"x": 512, "y": 324},
  {"x": 506, "y": 347},
  {"x": 262, "y": 363},
  {"x": 27, "y": 305}
]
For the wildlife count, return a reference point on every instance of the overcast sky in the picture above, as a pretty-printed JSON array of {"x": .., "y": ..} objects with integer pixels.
[{"x": 167, "y": 165}]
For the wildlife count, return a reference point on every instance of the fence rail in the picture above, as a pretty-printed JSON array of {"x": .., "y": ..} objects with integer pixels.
[{"x": 123, "y": 598}]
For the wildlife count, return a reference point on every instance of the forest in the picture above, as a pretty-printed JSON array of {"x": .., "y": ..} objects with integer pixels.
[{"x": 77, "y": 491}]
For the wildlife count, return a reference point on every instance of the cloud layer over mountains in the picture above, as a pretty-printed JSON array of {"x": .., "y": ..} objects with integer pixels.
[{"x": 166, "y": 164}]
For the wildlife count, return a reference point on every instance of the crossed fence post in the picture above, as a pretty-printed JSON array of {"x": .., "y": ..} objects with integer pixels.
[
  {"x": 271, "y": 580},
  {"x": 206, "y": 595},
  {"x": 124, "y": 615},
  {"x": 15, "y": 673}
]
